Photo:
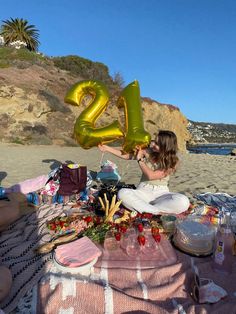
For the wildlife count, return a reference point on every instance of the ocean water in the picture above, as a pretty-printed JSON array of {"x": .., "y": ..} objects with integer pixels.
[{"x": 212, "y": 149}]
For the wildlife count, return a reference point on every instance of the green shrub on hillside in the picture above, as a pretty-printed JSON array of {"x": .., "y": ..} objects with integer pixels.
[
  {"x": 78, "y": 66},
  {"x": 84, "y": 68},
  {"x": 10, "y": 56},
  {"x": 4, "y": 64}
]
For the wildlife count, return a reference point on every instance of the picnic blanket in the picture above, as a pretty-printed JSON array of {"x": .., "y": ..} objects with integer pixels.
[
  {"x": 159, "y": 290},
  {"x": 219, "y": 200},
  {"x": 17, "y": 245},
  {"x": 164, "y": 289}
]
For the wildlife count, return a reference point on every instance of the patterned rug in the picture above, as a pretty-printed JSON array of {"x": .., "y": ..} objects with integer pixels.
[
  {"x": 39, "y": 287},
  {"x": 17, "y": 246}
]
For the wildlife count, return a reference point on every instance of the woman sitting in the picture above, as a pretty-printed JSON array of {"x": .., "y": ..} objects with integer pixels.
[{"x": 157, "y": 163}]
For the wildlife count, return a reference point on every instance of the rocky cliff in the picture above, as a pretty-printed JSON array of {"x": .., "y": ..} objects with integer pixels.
[
  {"x": 32, "y": 108},
  {"x": 206, "y": 132}
]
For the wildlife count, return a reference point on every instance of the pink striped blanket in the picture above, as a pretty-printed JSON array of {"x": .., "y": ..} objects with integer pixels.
[
  {"x": 118, "y": 290},
  {"x": 157, "y": 289}
]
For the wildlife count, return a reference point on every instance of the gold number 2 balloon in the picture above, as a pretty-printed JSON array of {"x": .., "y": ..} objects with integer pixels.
[{"x": 85, "y": 131}]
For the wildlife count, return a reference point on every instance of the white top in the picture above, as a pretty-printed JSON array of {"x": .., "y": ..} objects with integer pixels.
[{"x": 144, "y": 179}]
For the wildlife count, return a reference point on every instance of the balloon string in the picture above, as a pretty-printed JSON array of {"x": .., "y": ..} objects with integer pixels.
[
  {"x": 101, "y": 158},
  {"x": 126, "y": 169}
]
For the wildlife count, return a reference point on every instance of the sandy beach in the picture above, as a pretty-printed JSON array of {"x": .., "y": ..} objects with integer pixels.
[{"x": 197, "y": 173}]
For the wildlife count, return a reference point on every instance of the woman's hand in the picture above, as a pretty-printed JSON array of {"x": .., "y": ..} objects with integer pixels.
[{"x": 140, "y": 154}]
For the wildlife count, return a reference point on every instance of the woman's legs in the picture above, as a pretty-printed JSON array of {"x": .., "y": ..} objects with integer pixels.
[
  {"x": 153, "y": 199},
  {"x": 140, "y": 198},
  {"x": 135, "y": 200},
  {"x": 171, "y": 203}
]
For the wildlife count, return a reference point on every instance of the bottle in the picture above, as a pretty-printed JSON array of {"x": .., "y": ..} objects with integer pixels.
[
  {"x": 32, "y": 198},
  {"x": 223, "y": 259},
  {"x": 2, "y": 192}
]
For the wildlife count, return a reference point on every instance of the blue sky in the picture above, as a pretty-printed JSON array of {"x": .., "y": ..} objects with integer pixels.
[{"x": 182, "y": 52}]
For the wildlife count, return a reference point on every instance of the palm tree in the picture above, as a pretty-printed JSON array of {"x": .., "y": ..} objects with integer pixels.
[{"x": 19, "y": 29}]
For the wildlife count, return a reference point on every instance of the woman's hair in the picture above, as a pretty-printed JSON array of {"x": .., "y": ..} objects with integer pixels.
[{"x": 166, "y": 156}]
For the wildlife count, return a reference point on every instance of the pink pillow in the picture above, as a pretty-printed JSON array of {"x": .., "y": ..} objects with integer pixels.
[
  {"x": 77, "y": 253},
  {"x": 27, "y": 186}
]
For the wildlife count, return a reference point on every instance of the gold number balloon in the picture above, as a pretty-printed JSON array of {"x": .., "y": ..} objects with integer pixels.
[
  {"x": 135, "y": 133},
  {"x": 85, "y": 131}
]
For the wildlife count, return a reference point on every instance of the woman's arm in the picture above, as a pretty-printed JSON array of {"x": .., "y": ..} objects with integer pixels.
[{"x": 114, "y": 151}]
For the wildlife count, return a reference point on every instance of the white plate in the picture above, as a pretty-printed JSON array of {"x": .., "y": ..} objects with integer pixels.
[{"x": 84, "y": 269}]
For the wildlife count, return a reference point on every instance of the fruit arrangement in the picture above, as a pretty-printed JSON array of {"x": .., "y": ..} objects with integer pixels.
[
  {"x": 142, "y": 223},
  {"x": 142, "y": 227},
  {"x": 58, "y": 224},
  {"x": 116, "y": 220},
  {"x": 67, "y": 224},
  {"x": 126, "y": 220}
]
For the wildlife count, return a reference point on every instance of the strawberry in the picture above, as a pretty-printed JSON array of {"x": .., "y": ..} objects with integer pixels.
[
  {"x": 117, "y": 226},
  {"x": 62, "y": 223},
  {"x": 141, "y": 239},
  {"x": 157, "y": 237},
  {"x": 52, "y": 226},
  {"x": 147, "y": 215},
  {"x": 98, "y": 220},
  {"x": 123, "y": 229},
  {"x": 117, "y": 236},
  {"x": 140, "y": 227},
  {"x": 88, "y": 219},
  {"x": 155, "y": 230}
]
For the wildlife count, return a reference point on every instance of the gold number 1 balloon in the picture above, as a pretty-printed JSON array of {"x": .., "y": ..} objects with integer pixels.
[
  {"x": 85, "y": 131},
  {"x": 135, "y": 136}
]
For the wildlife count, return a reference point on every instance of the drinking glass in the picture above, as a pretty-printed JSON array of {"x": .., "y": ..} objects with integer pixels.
[
  {"x": 130, "y": 243},
  {"x": 233, "y": 221},
  {"x": 151, "y": 246},
  {"x": 110, "y": 243},
  {"x": 148, "y": 247},
  {"x": 132, "y": 246}
]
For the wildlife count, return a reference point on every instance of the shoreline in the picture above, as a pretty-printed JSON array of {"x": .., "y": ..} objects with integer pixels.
[{"x": 213, "y": 144}]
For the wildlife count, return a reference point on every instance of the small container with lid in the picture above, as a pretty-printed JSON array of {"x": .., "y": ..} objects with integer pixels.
[{"x": 168, "y": 223}]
